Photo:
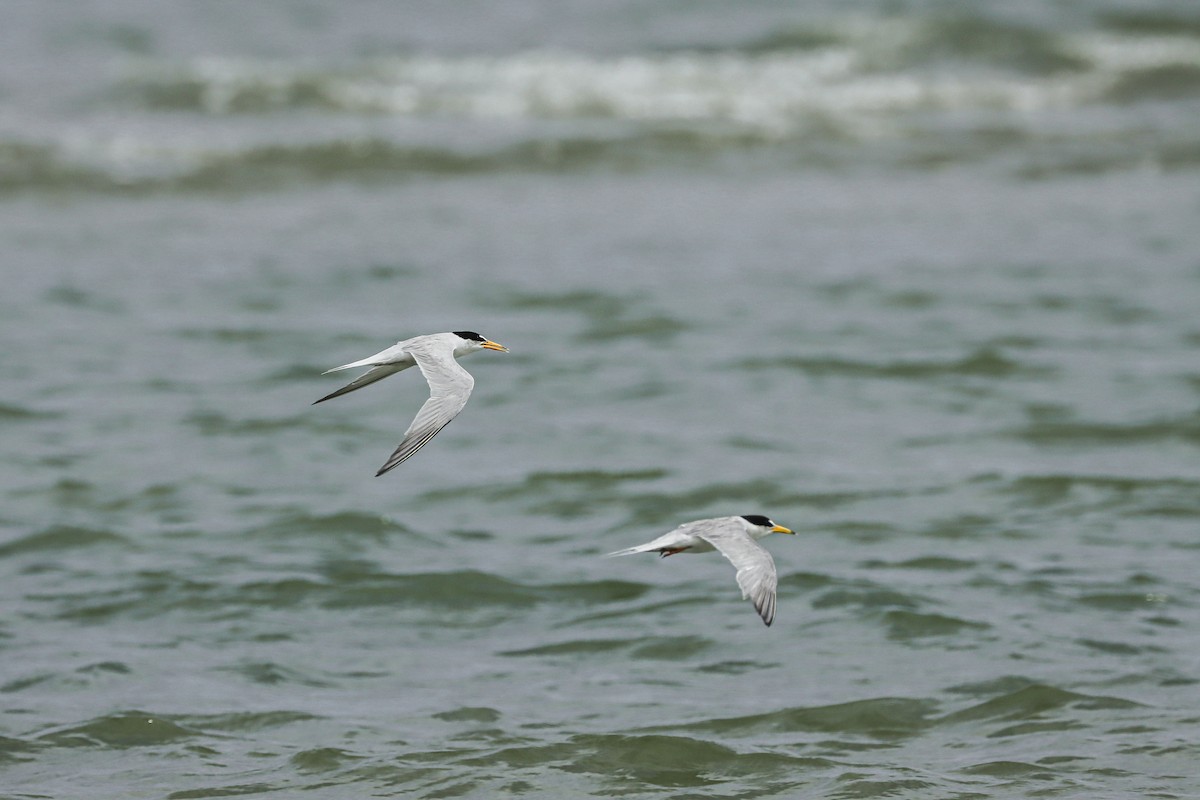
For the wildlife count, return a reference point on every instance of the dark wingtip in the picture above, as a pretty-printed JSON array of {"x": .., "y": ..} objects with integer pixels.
[
  {"x": 389, "y": 467},
  {"x": 766, "y": 610}
]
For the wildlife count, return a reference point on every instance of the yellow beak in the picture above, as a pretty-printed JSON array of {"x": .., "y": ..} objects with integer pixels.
[
  {"x": 781, "y": 529},
  {"x": 490, "y": 345}
]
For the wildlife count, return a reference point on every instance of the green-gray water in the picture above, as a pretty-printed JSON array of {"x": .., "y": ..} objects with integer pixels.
[{"x": 923, "y": 286}]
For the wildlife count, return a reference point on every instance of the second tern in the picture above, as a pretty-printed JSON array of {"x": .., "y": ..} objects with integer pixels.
[{"x": 737, "y": 539}]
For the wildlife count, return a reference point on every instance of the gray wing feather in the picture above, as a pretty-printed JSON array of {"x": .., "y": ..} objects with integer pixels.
[
  {"x": 449, "y": 388},
  {"x": 366, "y": 379},
  {"x": 687, "y": 535},
  {"x": 755, "y": 568},
  {"x": 382, "y": 364}
]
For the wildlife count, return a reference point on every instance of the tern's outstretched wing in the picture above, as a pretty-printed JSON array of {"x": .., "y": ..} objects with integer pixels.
[
  {"x": 755, "y": 568},
  {"x": 684, "y": 538},
  {"x": 384, "y": 363},
  {"x": 366, "y": 379},
  {"x": 449, "y": 387}
]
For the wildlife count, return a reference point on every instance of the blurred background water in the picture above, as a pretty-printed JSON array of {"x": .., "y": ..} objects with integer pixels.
[{"x": 919, "y": 280}]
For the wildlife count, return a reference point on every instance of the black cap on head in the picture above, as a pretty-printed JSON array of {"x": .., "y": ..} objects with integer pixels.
[
  {"x": 471, "y": 335},
  {"x": 758, "y": 519}
]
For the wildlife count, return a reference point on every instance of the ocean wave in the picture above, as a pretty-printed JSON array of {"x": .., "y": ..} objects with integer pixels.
[
  {"x": 909, "y": 625},
  {"x": 241, "y": 722},
  {"x": 269, "y": 673},
  {"x": 138, "y": 163},
  {"x": 322, "y": 759},
  {"x": 1032, "y": 702},
  {"x": 1184, "y": 429},
  {"x": 655, "y": 759},
  {"x": 14, "y": 750},
  {"x": 11, "y": 412},
  {"x": 1008, "y": 701},
  {"x": 867, "y": 597},
  {"x": 449, "y": 590},
  {"x": 912, "y": 93},
  {"x": 674, "y": 648},
  {"x": 1167, "y": 497},
  {"x": 771, "y": 92},
  {"x": 1160, "y": 21},
  {"x": 61, "y": 537},
  {"x": 936, "y": 563},
  {"x": 854, "y": 70},
  {"x": 158, "y": 593},
  {"x": 982, "y": 362},
  {"x": 469, "y": 714},
  {"x": 882, "y": 718},
  {"x": 120, "y": 730},
  {"x": 356, "y": 524}
]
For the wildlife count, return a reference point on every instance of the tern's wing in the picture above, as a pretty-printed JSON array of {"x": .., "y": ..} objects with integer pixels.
[
  {"x": 755, "y": 568},
  {"x": 366, "y": 379},
  {"x": 384, "y": 363},
  {"x": 685, "y": 536},
  {"x": 449, "y": 387}
]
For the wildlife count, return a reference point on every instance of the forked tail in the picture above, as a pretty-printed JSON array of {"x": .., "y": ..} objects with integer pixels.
[{"x": 628, "y": 551}]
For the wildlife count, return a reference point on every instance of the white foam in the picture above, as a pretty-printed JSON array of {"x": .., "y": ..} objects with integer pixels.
[
  {"x": 866, "y": 85},
  {"x": 774, "y": 93},
  {"x": 1115, "y": 53}
]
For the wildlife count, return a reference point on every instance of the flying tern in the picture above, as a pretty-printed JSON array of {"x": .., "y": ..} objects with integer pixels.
[
  {"x": 449, "y": 384},
  {"x": 736, "y": 538}
]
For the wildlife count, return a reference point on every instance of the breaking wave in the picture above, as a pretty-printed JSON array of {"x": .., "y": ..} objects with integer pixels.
[{"x": 906, "y": 93}]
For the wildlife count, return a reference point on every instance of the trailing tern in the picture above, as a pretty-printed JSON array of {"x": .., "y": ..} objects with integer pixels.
[
  {"x": 736, "y": 538},
  {"x": 449, "y": 384}
]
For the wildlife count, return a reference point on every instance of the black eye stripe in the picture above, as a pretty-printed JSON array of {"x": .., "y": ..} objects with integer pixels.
[
  {"x": 470, "y": 335},
  {"x": 758, "y": 519}
]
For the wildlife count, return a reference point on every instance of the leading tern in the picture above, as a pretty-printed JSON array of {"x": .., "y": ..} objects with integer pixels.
[
  {"x": 736, "y": 538},
  {"x": 449, "y": 384}
]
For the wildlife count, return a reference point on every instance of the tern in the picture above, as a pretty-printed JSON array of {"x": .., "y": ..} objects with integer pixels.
[
  {"x": 736, "y": 538},
  {"x": 449, "y": 384}
]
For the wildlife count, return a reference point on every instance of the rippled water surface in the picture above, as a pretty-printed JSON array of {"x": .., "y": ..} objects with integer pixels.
[{"x": 922, "y": 286}]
